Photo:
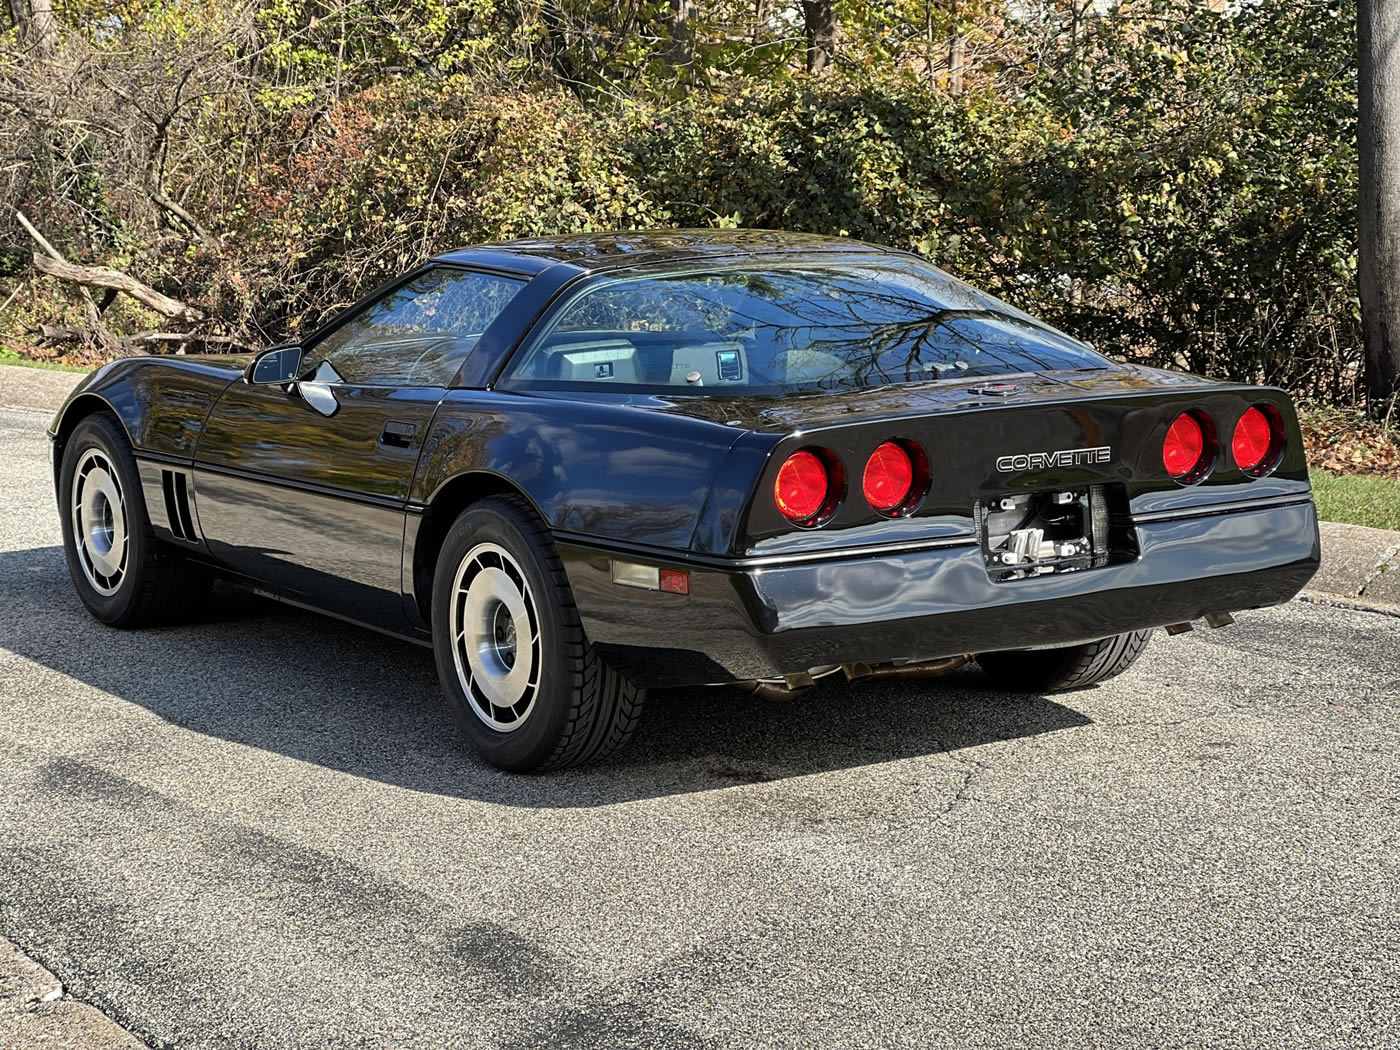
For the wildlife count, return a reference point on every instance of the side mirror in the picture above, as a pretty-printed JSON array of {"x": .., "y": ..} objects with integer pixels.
[
  {"x": 278, "y": 365},
  {"x": 319, "y": 396}
]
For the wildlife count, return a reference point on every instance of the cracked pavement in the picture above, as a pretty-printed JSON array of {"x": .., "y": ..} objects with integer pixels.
[{"x": 262, "y": 831}]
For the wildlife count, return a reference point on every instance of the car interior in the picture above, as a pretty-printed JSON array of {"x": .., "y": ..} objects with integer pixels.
[{"x": 673, "y": 358}]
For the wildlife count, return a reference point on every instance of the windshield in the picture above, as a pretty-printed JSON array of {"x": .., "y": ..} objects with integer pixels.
[{"x": 845, "y": 323}]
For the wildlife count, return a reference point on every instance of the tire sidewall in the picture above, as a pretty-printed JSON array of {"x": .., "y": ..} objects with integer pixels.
[
  {"x": 1054, "y": 670},
  {"x": 102, "y": 433},
  {"x": 533, "y": 742}
]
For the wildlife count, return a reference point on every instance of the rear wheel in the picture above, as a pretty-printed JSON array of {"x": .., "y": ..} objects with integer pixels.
[
  {"x": 1067, "y": 668},
  {"x": 123, "y": 573},
  {"x": 520, "y": 677}
]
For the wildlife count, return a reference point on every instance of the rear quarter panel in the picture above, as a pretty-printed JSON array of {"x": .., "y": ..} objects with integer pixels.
[{"x": 607, "y": 471}]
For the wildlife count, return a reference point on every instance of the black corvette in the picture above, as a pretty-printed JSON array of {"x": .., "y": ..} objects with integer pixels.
[{"x": 581, "y": 467}]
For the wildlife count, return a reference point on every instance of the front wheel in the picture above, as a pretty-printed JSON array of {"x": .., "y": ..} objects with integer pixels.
[
  {"x": 123, "y": 573},
  {"x": 1066, "y": 668},
  {"x": 520, "y": 677}
]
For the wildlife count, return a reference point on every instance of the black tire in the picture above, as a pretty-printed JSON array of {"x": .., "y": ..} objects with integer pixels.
[
  {"x": 154, "y": 583},
  {"x": 1071, "y": 667},
  {"x": 580, "y": 708}
]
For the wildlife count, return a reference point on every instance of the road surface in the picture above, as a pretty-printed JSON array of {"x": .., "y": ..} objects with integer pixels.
[{"x": 263, "y": 831}]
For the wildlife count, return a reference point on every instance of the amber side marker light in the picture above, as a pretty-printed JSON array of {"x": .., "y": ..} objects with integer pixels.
[
  {"x": 650, "y": 577},
  {"x": 1258, "y": 442},
  {"x": 802, "y": 490},
  {"x": 1189, "y": 449}
]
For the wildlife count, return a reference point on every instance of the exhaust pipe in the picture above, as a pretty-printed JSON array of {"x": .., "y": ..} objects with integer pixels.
[
  {"x": 922, "y": 669},
  {"x": 1217, "y": 619},
  {"x": 781, "y": 690}
]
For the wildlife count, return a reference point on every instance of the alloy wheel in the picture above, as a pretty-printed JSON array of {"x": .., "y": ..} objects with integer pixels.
[
  {"x": 99, "y": 522},
  {"x": 495, "y": 637}
]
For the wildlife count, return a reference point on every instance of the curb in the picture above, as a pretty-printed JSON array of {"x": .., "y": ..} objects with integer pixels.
[
  {"x": 35, "y": 1013},
  {"x": 1360, "y": 566}
]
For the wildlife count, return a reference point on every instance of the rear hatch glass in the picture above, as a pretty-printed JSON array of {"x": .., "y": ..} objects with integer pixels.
[{"x": 829, "y": 324}]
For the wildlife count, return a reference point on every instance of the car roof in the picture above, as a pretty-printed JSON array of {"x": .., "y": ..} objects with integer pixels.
[{"x": 609, "y": 251}]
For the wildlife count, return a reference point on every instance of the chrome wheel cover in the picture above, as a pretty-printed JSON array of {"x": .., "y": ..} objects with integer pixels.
[
  {"x": 495, "y": 637},
  {"x": 99, "y": 522}
]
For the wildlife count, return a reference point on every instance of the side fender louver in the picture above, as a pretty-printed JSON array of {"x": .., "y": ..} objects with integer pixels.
[{"x": 175, "y": 485}]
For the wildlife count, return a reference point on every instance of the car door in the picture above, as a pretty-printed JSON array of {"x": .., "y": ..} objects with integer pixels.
[{"x": 303, "y": 486}]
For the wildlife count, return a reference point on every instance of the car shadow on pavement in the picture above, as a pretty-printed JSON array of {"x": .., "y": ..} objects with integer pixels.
[{"x": 268, "y": 676}]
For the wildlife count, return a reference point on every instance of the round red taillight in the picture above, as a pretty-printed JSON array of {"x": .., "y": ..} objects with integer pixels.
[
  {"x": 802, "y": 487},
  {"x": 889, "y": 477},
  {"x": 1187, "y": 448},
  {"x": 1257, "y": 441}
]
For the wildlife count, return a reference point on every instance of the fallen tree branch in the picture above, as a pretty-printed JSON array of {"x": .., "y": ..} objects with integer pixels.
[
  {"x": 105, "y": 277},
  {"x": 48, "y": 333},
  {"x": 111, "y": 281},
  {"x": 98, "y": 333},
  {"x": 56, "y": 333},
  {"x": 39, "y": 238}
]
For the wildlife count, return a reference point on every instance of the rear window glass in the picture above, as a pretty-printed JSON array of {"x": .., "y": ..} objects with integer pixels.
[{"x": 846, "y": 323}]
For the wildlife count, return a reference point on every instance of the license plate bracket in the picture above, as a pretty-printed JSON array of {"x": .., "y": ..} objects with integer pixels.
[{"x": 1029, "y": 534}]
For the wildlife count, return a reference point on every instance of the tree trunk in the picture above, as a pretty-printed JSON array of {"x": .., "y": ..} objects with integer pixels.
[
  {"x": 44, "y": 26},
  {"x": 19, "y": 16},
  {"x": 819, "y": 17},
  {"x": 678, "y": 53},
  {"x": 956, "y": 51},
  {"x": 1378, "y": 142},
  {"x": 760, "y": 19}
]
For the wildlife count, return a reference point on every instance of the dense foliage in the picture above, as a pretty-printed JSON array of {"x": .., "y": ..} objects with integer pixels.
[{"x": 1175, "y": 184}]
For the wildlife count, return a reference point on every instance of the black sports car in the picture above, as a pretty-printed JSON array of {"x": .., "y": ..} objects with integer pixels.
[{"x": 585, "y": 466}]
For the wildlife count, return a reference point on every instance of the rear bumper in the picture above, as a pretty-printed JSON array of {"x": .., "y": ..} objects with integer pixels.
[{"x": 764, "y": 620}]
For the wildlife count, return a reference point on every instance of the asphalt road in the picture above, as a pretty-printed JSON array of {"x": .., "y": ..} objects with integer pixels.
[{"x": 262, "y": 831}]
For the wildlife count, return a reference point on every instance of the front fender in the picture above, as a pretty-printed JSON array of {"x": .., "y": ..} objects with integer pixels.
[{"x": 162, "y": 402}]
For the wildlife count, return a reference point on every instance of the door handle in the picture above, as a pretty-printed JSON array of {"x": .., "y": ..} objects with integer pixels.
[{"x": 400, "y": 435}]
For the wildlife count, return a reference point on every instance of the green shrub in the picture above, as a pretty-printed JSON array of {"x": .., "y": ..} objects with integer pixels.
[
  {"x": 1191, "y": 204},
  {"x": 406, "y": 169},
  {"x": 1176, "y": 186}
]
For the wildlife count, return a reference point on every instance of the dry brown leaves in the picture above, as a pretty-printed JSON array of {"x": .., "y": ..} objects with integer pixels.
[
  {"x": 76, "y": 355},
  {"x": 1345, "y": 441}
]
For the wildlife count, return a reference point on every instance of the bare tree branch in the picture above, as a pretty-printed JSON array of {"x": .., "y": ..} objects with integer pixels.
[{"x": 160, "y": 197}]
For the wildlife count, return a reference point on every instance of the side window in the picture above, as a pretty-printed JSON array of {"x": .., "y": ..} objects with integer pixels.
[{"x": 418, "y": 334}]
